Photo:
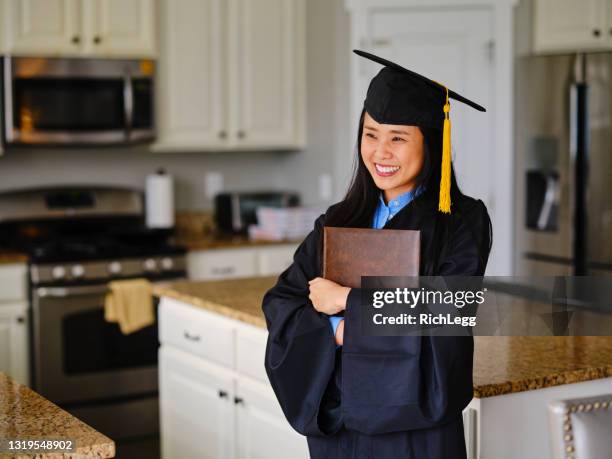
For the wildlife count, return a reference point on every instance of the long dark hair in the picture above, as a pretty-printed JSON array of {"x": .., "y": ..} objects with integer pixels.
[{"x": 359, "y": 204}]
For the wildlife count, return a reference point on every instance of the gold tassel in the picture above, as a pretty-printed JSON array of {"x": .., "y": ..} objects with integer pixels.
[{"x": 444, "y": 203}]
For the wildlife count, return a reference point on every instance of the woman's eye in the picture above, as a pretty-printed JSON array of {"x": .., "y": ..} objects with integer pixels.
[
  {"x": 398, "y": 139},
  {"x": 370, "y": 135}
]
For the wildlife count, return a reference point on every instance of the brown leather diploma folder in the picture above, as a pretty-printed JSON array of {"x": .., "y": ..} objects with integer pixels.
[{"x": 349, "y": 253}]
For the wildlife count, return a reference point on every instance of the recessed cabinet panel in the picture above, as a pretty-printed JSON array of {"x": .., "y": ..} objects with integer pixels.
[
  {"x": 260, "y": 419},
  {"x": 232, "y": 75},
  {"x": 196, "y": 406},
  {"x": 44, "y": 27},
  {"x": 566, "y": 25},
  {"x": 267, "y": 60},
  {"x": 80, "y": 28},
  {"x": 191, "y": 109},
  {"x": 123, "y": 26}
]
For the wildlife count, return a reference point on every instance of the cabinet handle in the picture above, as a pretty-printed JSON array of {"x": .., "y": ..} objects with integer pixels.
[
  {"x": 222, "y": 134},
  {"x": 596, "y": 32},
  {"x": 238, "y": 401},
  {"x": 97, "y": 39},
  {"x": 222, "y": 394},
  {"x": 20, "y": 320},
  {"x": 76, "y": 39},
  {"x": 195, "y": 338},
  {"x": 241, "y": 134}
]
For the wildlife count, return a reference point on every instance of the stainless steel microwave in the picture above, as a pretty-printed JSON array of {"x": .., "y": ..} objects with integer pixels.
[{"x": 55, "y": 101}]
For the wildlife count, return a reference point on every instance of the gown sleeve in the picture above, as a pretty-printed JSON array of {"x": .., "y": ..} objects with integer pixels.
[
  {"x": 300, "y": 351},
  {"x": 399, "y": 383}
]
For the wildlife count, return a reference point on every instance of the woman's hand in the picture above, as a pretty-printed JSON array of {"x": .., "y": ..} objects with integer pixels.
[{"x": 327, "y": 296}]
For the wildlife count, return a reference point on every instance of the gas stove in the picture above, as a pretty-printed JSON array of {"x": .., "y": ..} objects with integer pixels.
[{"x": 77, "y": 240}]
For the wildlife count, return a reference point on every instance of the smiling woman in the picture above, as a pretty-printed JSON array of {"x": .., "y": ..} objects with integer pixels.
[
  {"x": 357, "y": 396},
  {"x": 393, "y": 154}
]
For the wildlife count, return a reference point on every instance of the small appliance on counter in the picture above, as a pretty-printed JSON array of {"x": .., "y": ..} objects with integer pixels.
[
  {"x": 77, "y": 240},
  {"x": 235, "y": 211}
]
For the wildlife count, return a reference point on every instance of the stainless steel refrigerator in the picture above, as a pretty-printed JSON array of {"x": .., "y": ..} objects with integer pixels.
[{"x": 563, "y": 141}]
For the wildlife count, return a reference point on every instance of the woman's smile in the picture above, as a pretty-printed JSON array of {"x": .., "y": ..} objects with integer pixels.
[{"x": 386, "y": 171}]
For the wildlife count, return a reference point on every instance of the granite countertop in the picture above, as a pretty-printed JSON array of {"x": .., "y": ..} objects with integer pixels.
[
  {"x": 9, "y": 256},
  {"x": 502, "y": 365},
  {"x": 24, "y": 414}
]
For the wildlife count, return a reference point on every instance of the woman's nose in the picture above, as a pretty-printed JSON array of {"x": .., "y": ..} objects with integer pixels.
[{"x": 382, "y": 151}]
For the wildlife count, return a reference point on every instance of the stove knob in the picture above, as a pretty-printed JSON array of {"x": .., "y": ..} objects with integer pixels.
[
  {"x": 114, "y": 267},
  {"x": 167, "y": 263},
  {"x": 149, "y": 264},
  {"x": 58, "y": 272},
  {"x": 78, "y": 271}
]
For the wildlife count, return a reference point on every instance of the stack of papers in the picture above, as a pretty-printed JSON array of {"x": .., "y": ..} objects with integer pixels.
[{"x": 276, "y": 224}]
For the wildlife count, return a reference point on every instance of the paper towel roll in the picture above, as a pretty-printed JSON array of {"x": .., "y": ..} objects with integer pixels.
[{"x": 159, "y": 197}]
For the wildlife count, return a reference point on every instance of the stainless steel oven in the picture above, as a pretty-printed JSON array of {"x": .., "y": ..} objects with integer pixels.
[
  {"x": 78, "y": 239},
  {"x": 88, "y": 366},
  {"x": 78, "y": 101}
]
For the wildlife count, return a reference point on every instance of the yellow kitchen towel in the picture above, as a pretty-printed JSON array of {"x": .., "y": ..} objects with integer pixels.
[{"x": 130, "y": 303}]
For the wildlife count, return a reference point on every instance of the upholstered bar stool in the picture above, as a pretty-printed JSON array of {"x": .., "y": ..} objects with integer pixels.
[{"x": 581, "y": 428}]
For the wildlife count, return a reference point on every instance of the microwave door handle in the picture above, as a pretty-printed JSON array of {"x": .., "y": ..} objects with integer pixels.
[{"x": 128, "y": 103}]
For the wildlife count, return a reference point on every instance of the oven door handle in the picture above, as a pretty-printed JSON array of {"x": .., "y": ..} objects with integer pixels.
[
  {"x": 128, "y": 103},
  {"x": 62, "y": 292}
]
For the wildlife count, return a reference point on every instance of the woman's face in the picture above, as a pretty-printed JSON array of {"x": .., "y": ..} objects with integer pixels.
[{"x": 393, "y": 153}]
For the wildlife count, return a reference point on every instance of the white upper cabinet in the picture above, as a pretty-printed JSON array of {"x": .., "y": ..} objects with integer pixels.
[
  {"x": 43, "y": 27},
  {"x": 572, "y": 25},
  {"x": 268, "y": 96},
  {"x": 123, "y": 27},
  {"x": 80, "y": 28},
  {"x": 191, "y": 109},
  {"x": 231, "y": 75}
]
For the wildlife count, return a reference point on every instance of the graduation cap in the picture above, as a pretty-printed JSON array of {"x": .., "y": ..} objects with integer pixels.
[{"x": 397, "y": 95}]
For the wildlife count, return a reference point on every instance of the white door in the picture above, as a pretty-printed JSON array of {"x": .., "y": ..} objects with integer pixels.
[
  {"x": 263, "y": 431},
  {"x": 453, "y": 47},
  {"x": 44, "y": 27},
  {"x": 192, "y": 77},
  {"x": 123, "y": 28},
  {"x": 565, "y": 25},
  {"x": 196, "y": 407},
  {"x": 266, "y": 47},
  {"x": 14, "y": 355}
]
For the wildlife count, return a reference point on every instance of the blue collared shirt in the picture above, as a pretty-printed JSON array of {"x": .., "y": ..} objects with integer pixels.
[{"x": 384, "y": 212}]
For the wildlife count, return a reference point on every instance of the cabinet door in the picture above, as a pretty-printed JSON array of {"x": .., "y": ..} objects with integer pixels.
[
  {"x": 222, "y": 264},
  {"x": 267, "y": 52},
  {"x": 263, "y": 430},
  {"x": 192, "y": 108},
  {"x": 196, "y": 407},
  {"x": 14, "y": 359},
  {"x": 274, "y": 260},
  {"x": 122, "y": 28},
  {"x": 568, "y": 25},
  {"x": 44, "y": 27}
]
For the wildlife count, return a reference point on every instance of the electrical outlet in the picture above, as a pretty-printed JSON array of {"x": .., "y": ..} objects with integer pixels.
[{"x": 213, "y": 184}]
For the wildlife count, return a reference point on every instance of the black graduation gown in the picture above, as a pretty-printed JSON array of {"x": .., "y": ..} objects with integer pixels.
[{"x": 382, "y": 397}]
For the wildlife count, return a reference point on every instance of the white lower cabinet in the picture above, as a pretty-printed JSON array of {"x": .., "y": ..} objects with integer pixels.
[
  {"x": 213, "y": 407},
  {"x": 14, "y": 350},
  {"x": 197, "y": 415},
  {"x": 14, "y": 341},
  {"x": 239, "y": 262}
]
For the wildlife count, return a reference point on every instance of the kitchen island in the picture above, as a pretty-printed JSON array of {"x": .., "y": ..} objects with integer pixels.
[
  {"x": 514, "y": 377},
  {"x": 25, "y": 415}
]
